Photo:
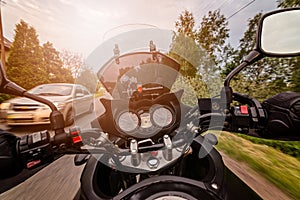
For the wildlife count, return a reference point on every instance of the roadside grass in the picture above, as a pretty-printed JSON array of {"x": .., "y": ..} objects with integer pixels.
[
  {"x": 291, "y": 148},
  {"x": 277, "y": 167}
]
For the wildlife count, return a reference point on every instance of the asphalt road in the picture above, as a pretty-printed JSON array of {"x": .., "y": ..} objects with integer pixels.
[{"x": 59, "y": 180}]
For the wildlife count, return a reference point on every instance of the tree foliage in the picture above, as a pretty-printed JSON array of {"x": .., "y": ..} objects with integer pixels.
[
  {"x": 288, "y": 3},
  {"x": 30, "y": 64},
  {"x": 201, "y": 51},
  {"x": 54, "y": 65},
  {"x": 294, "y": 62},
  {"x": 184, "y": 47},
  {"x": 212, "y": 52},
  {"x": 72, "y": 61},
  {"x": 88, "y": 78},
  {"x": 212, "y": 35},
  {"x": 186, "y": 24},
  {"x": 187, "y": 53},
  {"x": 25, "y": 64},
  {"x": 264, "y": 78},
  {"x": 295, "y": 79}
]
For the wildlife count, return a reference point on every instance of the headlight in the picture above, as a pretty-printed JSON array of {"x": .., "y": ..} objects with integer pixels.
[{"x": 4, "y": 106}]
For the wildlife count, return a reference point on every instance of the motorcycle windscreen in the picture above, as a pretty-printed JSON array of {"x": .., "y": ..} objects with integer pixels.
[{"x": 124, "y": 75}]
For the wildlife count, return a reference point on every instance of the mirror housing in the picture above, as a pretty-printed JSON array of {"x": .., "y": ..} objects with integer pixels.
[{"x": 279, "y": 33}]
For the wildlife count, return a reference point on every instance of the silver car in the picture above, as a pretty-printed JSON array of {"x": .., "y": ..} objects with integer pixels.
[{"x": 71, "y": 99}]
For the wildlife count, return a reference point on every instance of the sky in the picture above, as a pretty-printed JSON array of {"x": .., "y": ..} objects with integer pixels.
[{"x": 81, "y": 26}]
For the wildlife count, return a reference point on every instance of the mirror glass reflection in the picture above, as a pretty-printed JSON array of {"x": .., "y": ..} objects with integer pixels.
[{"x": 281, "y": 33}]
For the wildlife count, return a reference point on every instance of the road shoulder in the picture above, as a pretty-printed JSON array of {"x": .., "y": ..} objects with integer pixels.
[{"x": 260, "y": 185}]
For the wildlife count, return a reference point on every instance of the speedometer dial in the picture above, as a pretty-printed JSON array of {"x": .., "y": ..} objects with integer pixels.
[
  {"x": 162, "y": 116},
  {"x": 128, "y": 121}
]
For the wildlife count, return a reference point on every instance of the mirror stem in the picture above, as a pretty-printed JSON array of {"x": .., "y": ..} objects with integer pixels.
[
  {"x": 252, "y": 57},
  {"x": 56, "y": 117},
  {"x": 39, "y": 99},
  {"x": 226, "y": 93},
  {"x": 14, "y": 89}
]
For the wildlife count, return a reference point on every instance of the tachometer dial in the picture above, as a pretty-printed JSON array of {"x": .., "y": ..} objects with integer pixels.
[{"x": 128, "y": 121}]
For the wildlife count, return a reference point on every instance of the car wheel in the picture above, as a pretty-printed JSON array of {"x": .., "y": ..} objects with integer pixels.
[{"x": 69, "y": 119}]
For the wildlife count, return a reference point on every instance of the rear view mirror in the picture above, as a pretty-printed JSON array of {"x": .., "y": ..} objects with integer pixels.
[{"x": 279, "y": 33}]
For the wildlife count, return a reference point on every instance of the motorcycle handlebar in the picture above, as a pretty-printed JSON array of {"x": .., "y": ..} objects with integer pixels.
[
  {"x": 248, "y": 116},
  {"x": 39, "y": 147}
]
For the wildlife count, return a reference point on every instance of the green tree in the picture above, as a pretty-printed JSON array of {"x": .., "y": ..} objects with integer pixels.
[
  {"x": 186, "y": 24},
  {"x": 184, "y": 47},
  {"x": 295, "y": 80},
  {"x": 231, "y": 59},
  {"x": 212, "y": 36},
  {"x": 288, "y": 3},
  {"x": 25, "y": 64},
  {"x": 247, "y": 43},
  {"x": 201, "y": 52},
  {"x": 54, "y": 65},
  {"x": 187, "y": 53},
  {"x": 253, "y": 79},
  {"x": 294, "y": 62},
  {"x": 72, "y": 61},
  {"x": 88, "y": 78}
]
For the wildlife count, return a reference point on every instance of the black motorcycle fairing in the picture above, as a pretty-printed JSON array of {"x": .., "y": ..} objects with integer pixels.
[
  {"x": 205, "y": 164},
  {"x": 113, "y": 108},
  {"x": 237, "y": 189},
  {"x": 99, "y": 181}
]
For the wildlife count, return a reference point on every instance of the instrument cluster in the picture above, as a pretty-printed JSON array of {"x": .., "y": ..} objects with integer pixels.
[{"x": 145, "y": 122}]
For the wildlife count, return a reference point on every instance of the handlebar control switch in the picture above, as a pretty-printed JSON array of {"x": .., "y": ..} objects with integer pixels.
[
  {"x": 35, "y": 148},
  {"x": 75, "y": 134},
  {"x": 241, "y": 118}
]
